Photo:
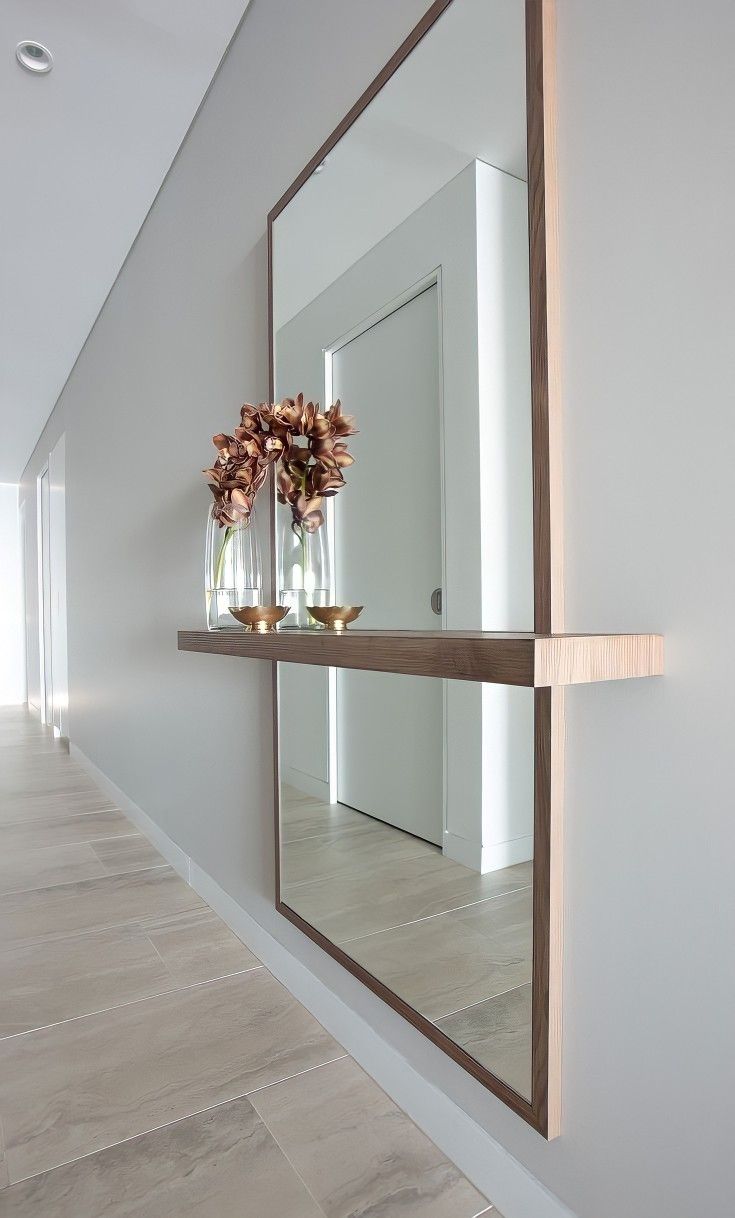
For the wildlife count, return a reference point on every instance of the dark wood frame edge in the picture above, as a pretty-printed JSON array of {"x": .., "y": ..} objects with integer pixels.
[{"x": 543, "y": 1110}]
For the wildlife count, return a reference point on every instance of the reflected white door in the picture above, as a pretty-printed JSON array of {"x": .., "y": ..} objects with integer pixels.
[
  {"x": 57, "y": 571},
  {"x": 52, "y": 591},
  {"x": 388, "y": 557},
  {"x": 44, "y": 597}
]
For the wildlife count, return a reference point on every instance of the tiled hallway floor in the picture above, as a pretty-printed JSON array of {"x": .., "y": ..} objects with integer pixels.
[{"x": 149, "y": 1064}]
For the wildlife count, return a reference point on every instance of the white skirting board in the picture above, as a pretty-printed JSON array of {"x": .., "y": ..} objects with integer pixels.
[
  {"x": 484, "y": 1161},
  {"x": 487, "y": 858}
]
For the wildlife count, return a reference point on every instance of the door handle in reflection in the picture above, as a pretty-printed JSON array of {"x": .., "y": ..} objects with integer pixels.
[{"x": 436, "y": 601}]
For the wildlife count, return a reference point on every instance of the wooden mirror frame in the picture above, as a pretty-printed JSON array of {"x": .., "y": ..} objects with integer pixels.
[{"x": 543, "y": 1109}]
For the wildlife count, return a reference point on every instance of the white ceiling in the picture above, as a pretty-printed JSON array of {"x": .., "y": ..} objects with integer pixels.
[{"x": 84, "y": 150}]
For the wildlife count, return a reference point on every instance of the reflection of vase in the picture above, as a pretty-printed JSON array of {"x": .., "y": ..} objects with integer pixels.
[
  {"x": 233, "y": 570},
  {"x": 304, "y": 570}
]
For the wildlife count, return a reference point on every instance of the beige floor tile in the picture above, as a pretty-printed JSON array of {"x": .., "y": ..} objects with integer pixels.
[
  {"x": 442, "y": 964},
  {"x": 4, "y": 1177},
  {"x": 40, "y": 867},
  {"x": 197, "y": 946},
  {"x": 219, "y": 1164},
  {"x": 358, "y": 1153},
  {"x": 323, "y": 857},
  {"x": 64, "y": 829},
  {"x": 26, "y": 784},
  {"x": 366, "y": 901},
  {"x": 14, "y": 811},
  {"x": 497, "y": 1033},
  {"x": 79, "y": 1086},
  {"x": 68, "y": 909},
  {"x": 69, "y": 977},
  {"x": 133, "y": 853}
]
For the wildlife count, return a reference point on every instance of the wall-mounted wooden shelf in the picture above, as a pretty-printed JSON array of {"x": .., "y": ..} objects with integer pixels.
[{"x": 532, "y": 660}]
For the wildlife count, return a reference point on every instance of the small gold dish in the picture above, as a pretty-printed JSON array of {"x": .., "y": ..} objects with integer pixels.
[
  {"x": 260, "y": 619},
  {"x": 335, "y": 617}
]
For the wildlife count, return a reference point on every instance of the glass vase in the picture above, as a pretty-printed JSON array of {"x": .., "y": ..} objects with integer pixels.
[
  {"x": 304, "y": 570},
  {"x": 233, "y": 571}
]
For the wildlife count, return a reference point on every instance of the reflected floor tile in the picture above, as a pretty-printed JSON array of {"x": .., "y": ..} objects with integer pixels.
[
  {"x": 497, "y": 1033},
  {"x": 64, "y": 829},
  {"x": 197, "y": 946},
  {"x": 314, "y": 858},
  {"x": 443, "y": 964},
  {"x": 310, "y": 818},
  {"x": 219, "y": 1164},
  {"x": 509, "y": 921},
  {"x": 66, "y": 909},
  {"x": 133, "y": 853},
  {"x": 38, "y": 868},
  {"x": 367, "y": 900},
  {"x": 64, "y": 978},
  {"x": 358, "y": 1153},
  {"x": 77, "y": 1087}
]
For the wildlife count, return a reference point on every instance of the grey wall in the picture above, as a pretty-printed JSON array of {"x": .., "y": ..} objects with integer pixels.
[{"x": 646, "y": 178}]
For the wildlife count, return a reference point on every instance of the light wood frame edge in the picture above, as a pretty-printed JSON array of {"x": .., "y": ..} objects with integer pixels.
[
  {"x": 549, "y": 720},
  {"x": 544, "y": 1110}
]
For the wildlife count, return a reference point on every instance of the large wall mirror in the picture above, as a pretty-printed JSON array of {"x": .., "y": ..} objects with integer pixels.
[{"x": 405, "y": 280}]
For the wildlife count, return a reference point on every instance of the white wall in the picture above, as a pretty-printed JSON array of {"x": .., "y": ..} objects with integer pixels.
[
  {"x": 646, "y": 97},
  {"x": 12, "y": 649}
]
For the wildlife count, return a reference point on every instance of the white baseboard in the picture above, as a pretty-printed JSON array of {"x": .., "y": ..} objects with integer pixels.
[
  {"x": 483, "y": 1160},
  {"x": 487, "y": 858}
]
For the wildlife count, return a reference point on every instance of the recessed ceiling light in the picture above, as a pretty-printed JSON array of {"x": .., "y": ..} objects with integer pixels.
[{"x": 34, "y": 57}]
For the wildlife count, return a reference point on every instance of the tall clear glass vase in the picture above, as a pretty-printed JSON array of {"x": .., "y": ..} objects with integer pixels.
[
  {"x": 304, "y": 570},
  {"x": 233, "y": 571}
]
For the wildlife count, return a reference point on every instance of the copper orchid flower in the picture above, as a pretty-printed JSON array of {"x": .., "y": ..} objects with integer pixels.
[{"x": 308, "y": 474}]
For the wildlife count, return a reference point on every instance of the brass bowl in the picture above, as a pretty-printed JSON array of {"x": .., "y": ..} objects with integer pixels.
[
  {"x": 260, "y": 619},
  {"x": 335, "y": 617}
]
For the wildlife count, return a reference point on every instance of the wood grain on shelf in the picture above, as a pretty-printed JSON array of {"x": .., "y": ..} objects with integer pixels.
[
  {"x": 576, "y": 659},
  {"x": 501, "y": 659}
]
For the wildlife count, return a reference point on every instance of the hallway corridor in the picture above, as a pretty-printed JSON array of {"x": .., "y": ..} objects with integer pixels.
[{"x": 149, "y": 1064}]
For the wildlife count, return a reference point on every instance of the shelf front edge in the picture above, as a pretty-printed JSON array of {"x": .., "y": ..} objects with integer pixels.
[
  {"x": 525, "y": 660},
  {"x": 470, "y": 657}
]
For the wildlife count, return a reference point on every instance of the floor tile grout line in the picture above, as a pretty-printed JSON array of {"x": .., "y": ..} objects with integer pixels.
[
  {"x": 317, "y": 879},
  {"x": 299, "y": 1073},
  {"x": 40, "y": 820},
  {"x": 287, "y": 1156},
  {"x": 38, "y": 941},
  {"x": 414, "y": 921},
  {"x": 477, "y": 1214},
  {"x": 245, "y": 1095},
  {"x": 120, "y": 1006},
  {"x": 87, "y": 841},
  {"x": 481, "y": 1001},
  {"x": 105, "y": 875}
]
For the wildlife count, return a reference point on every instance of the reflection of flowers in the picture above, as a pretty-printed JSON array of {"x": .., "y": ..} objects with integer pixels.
[{"x": 309, "y": 473}]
